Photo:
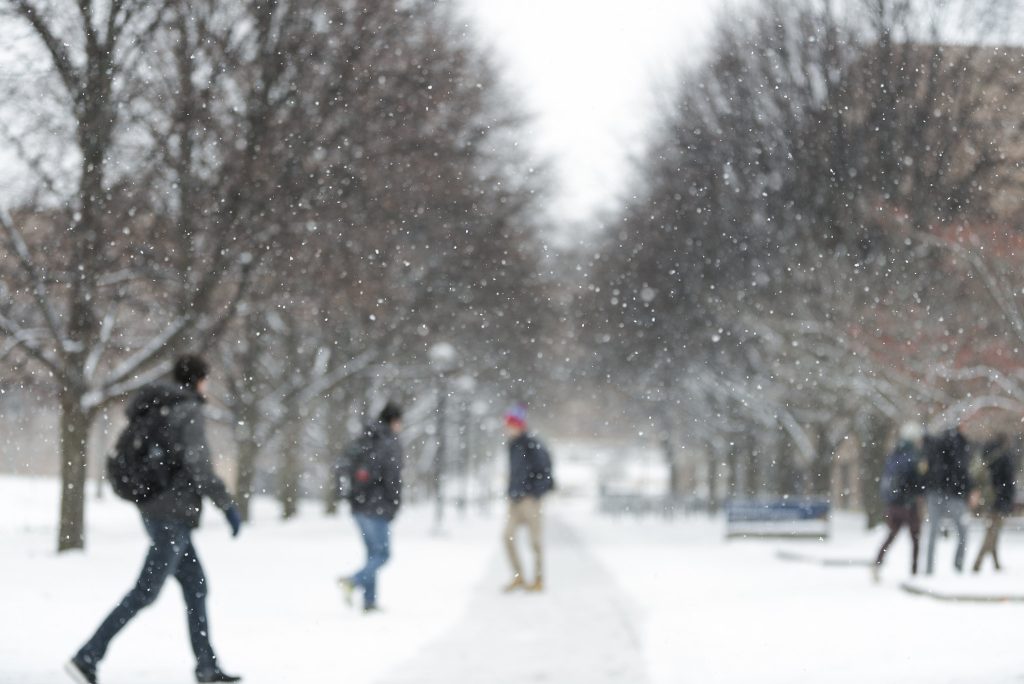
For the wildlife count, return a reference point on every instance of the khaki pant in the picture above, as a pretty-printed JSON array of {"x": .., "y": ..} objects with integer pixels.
[
  {"x": 990, "y": 545},
  {"x": 525, "y": 511}
]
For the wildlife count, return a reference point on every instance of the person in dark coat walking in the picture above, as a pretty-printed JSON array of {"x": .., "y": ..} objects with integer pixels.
[
  {"x": 901, "y": 489},
  {"x": 999, "y": 458},
  {"x": 529, "y": 479},
  {"x": 375, "y": 497},
  {"x": 948, "y": 490},
  {"x": 169, "y": 518}
]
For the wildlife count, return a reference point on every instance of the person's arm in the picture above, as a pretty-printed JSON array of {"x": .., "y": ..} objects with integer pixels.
[
  {"x": 540, "y": 465},
  {"x": 196, "y": 459}
]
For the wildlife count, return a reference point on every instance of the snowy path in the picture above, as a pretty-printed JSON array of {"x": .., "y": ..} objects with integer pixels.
[
  {"x": 578, "y": 630},
  {"x": 628, "y": 601}
]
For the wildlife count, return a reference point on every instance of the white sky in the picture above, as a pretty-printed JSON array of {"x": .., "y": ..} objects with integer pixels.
[{"x": 591, "y": 73}]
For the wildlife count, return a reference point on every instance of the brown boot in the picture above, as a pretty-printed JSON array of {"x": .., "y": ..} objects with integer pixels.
[
  {"x": 516, "y": 584},
  {"x": 536, "y": 586}
]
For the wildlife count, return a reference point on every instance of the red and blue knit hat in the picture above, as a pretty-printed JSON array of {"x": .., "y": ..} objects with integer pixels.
[{"x": 516, "y": 417}]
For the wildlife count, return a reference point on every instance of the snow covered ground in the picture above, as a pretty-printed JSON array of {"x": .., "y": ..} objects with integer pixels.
[{"x": 628, "y": 601}]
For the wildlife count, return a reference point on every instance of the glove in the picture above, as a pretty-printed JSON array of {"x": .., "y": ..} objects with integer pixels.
[{"x": 234, "y": 519}]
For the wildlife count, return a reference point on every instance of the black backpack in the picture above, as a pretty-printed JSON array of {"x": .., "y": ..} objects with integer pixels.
[
  {"x": 357, "y": 468},
  {"x": 142, "y": 466}
]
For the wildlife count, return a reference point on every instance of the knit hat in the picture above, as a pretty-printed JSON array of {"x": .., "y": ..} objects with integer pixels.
[
  {"x": 515, "y": 417},
  {"x": 390, "y": 413},
  {"x": 189, "y": 369}
]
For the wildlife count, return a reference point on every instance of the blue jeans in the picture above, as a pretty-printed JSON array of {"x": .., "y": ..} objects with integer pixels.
[
  {"x": 171, "y": 553},
  {"x": 377, "y": 537},
  {"x": 942, "y": 507}
]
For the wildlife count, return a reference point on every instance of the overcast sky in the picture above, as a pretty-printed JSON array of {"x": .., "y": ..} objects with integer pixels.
[{"x": 591, "y": 72}]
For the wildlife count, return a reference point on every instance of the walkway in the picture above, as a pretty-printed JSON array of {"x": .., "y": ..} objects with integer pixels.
[{"x": 578, "y": 630}]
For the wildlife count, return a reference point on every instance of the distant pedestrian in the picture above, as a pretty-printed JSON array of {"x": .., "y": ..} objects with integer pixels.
[
  {"x": 373, "y": 464},
  {"x": 948, "y": 487},
  {"x": 529, "y": 479},
  {"x": 999, "y": 458},
  {"x": 901, "y": 489},
  {"x": 167, "y": 482}
]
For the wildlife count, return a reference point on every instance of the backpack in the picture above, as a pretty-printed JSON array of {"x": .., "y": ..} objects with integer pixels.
[
  {"x": 900, "y": 476},
  {"x": 141, "y": 466},
  {"x": 357, "y": 467}
]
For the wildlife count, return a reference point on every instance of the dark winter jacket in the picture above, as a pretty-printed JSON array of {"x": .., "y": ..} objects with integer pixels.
[
  {"x": 183, "y": 435},
  {"x": 948, "y": 457},
  {"x": 902, "y": 481},
  {"x": 383, "y": 496},
  {"x": 529, "y": 468},
  {"x": 1003, "y": 472}
]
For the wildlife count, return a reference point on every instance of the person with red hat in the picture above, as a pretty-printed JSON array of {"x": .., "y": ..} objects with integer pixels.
[{"x": 529, "y": 480}]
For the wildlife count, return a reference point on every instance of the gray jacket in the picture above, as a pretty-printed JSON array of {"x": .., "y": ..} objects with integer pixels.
[{"x": 184, "y": 436}]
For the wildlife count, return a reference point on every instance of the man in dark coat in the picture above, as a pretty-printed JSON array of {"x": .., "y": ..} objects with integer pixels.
[
  {"x": 1000, "y": 460},
  {"x": 948, "y": 487},
  {"x": 529, "y": 479},
  {"x": 169, "y": 518},
  {"x": 375, "y": 496}
]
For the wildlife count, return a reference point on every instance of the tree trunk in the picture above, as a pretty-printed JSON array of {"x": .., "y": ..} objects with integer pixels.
[
  {"x": 755, "y": 478},
  {"x": 337, "y": 436},
  {"x": 291, "y": 470},
  {"x": 712, "y": 481},
  {"x": 248, "y": 450},
  {"x": 785, "y": 465},
  {"x": 873, "y": 431},
  {"x": 74, "y": 449},
  {"x": 821, "y": 473}
]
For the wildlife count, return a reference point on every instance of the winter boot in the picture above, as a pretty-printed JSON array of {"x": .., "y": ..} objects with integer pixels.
[
  {"x": 81, "y": 671},
  {"x": 516, "y": 584},
  {"x": 215, "y": 675}
]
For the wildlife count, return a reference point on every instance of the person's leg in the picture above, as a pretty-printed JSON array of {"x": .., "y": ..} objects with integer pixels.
[
  {"x": 363, "y": 523},
  {"x": 376, "y": 536},
  {"x": 997, "y": 528},
  {"x": 987, "y": 545},
  {"x": 934, "y": 519},
  {"x": 511, "y": 527},
  {"x": 168, "y": 543},
  {"x": 958, "y": 511},
  {"x": 192, "y": 579},
  {"x": 914, "y": 523},
  {"x": 894, "y": 519},
  {"x": 535, "y": 525}
]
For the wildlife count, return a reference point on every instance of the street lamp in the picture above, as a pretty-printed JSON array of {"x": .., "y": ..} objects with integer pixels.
[
  {"x": 465, "y": 385},
  {"x": 443, "y": 359}
]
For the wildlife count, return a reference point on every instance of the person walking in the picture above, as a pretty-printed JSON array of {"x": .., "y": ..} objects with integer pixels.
[
  {"x": 901, "y": 488},
  {"x": 171, "y": 416},
  {"x": 374, "y": 466},
  {"x": 1002, "y": 467},
  {"x": 948, "y": 487},
  {"x": 529, "y": 479}
]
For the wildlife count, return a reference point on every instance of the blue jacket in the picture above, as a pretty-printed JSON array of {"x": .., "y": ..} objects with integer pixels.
[{"x": 529, "y": 468}]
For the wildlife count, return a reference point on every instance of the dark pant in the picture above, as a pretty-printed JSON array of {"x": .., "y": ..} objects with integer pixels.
[
  {"x": 377, "y": 537},
  {"x": 171, "y": 553},
  {"x": 896, "y": 517}
]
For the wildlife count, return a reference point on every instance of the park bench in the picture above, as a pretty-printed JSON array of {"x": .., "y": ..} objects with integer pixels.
[{"x": 778, "y": 518}]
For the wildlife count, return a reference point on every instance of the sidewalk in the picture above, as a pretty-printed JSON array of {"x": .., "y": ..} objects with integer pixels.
[{"x": 578, "y": 630}]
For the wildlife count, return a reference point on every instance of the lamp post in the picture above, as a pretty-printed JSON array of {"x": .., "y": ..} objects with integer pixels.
[
  {"x": 443, "y": 359},
  {"x": 465, "y": 385}
]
